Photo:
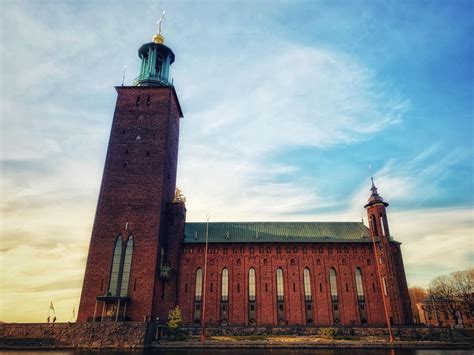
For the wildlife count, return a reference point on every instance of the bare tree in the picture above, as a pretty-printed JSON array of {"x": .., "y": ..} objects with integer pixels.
[
  {"x": 443, "y": 291},
  {"x": 464, "y": 285}
]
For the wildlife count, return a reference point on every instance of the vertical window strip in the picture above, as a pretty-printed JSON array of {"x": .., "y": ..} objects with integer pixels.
[
  {"x": 225, "y": 285},
  {"x": 126, "y": 268},
  {"x": 307, "y": 284},
  {"x": 252, "y": 284},
  {"x": 198, "y": 294},
  {"x": 384, "y": 282},
  {"x": 359, "y": 287},
  {"x": 115, "y": 267},
  {"x": 280, "y": 284},
  {"x": 333, "y": 283}
]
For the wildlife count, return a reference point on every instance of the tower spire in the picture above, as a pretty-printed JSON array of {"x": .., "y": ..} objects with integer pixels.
[{"x": 158, "y": 37}]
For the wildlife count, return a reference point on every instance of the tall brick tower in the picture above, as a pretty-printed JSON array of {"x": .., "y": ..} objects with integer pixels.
[
  {"x": 389, "y": 262},
  {"x": 129, "y": 272}
]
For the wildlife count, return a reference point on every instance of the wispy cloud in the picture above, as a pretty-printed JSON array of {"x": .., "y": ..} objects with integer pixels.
[{"x": 256, "y": 83}]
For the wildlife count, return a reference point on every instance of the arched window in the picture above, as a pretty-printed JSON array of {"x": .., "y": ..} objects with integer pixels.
[
  {"x": 252, "y": 284},
  {"x": 265, "y": 262},
  {"x": 333, "y": 283},
  {"x": 225, "y": 285},
  {"x": 198, "y": 294},
  {"x": 384, "y": 282},
  {"x": 318, "y": 261},
  {"x": 114, "y": 275},
  {"x": 292, "y": 262},
  {"x": 359, "y": 287},
  {"x": 127, "y": 264},
  {"x": 307, "y": 284},
  {"x": 369, "y": 262},
  {"x": 344, "y": 262},
  {"x": 280, "y": 292},
  {"x": 374, "y": 225},
  {"x": 382, "y": 226}
]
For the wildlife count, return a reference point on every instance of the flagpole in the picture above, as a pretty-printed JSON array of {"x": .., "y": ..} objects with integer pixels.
[{"x": 202, "y": 338}]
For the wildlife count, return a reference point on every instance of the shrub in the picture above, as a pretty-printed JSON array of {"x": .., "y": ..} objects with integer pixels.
[
  {"x": 175, "y": 318},
  {"x": 328, "y": 332}
]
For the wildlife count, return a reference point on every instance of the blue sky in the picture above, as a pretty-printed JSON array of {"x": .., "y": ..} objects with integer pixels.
[{"x": 285, "y": 103}]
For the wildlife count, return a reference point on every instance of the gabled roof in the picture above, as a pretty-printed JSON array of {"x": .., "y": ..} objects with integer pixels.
[{"x": 277, "y": 232}]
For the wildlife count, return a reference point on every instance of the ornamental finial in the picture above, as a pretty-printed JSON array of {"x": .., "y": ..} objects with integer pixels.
[
  {"x": 158, "y": 38},
  {"x": 179, "y": 196}
]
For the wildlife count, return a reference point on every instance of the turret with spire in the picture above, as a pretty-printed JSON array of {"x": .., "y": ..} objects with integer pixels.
[
  {"x": 376, "y": 211},
  {"x": 156, "y": 61}
]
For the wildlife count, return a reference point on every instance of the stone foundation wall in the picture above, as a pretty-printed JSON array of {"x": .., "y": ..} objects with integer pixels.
[
  {"x": 400, "y": 333},
  {"x": 75, "y": 335},
  {"x": 131, "y": 335}
]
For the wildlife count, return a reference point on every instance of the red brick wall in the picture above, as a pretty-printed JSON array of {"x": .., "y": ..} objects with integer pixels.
[
  {"x": 344, "y": 258},
  {"x": 138, "y": 182}
]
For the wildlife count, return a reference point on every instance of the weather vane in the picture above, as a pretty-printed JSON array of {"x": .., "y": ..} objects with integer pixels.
[{"x": 160, "y": 21}]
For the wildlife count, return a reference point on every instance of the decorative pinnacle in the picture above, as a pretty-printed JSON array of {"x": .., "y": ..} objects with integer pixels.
[{"x": 158, "y": 38}]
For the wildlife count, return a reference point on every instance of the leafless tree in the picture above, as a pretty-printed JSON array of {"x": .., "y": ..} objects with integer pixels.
[
  {"x": 464, "y": 285},
  {"x": 442, "y": 290},
  {"x": 454, "y": 291}
]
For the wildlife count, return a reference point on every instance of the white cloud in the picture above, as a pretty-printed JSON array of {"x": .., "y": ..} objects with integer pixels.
[{"x": 301, "y": 97}]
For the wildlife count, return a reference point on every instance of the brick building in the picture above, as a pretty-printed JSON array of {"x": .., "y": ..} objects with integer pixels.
[
  {"x": 436, "y": 313},
  {"x": 144, "y": 258}
]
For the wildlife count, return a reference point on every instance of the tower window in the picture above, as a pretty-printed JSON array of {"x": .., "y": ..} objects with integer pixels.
[
  {"x": 148, "y": 100},
  {"x": 127, "y": 264},
  {"x": 138, "y": 101},
  {"x": 384, "y": 283}
]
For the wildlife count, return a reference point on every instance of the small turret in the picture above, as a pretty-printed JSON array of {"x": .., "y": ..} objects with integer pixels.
[{"x": 376, "y": 211}]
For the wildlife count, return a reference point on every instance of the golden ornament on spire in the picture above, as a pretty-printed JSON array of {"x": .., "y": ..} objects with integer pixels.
[{"x": 158, "y": 38}]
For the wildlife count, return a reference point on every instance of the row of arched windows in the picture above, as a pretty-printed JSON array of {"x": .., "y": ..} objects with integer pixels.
[{"x": 279, "y": 284}]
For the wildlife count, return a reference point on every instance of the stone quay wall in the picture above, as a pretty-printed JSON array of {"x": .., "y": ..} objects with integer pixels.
[
  {"x": 135, "y": 335},
  {"x": 76, "y": 335},
  {"x": 400, "y": 333}
]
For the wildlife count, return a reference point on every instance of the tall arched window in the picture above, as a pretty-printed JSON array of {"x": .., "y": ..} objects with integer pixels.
[
  {"x": 225, "y": 285},
  {"x": 359, "y": 287},
  {"x": 307, "y": 284},
  {"x": 127, "y": 264},
  {"x": 374, "y": 225},
  {"x": 280, "y": 291},
  {"x": 384, "y": 282},
  {"x": 252, "y": 284},
  {"x": 114, "y": 275},
  {"x": 198, "y": 294},
  {"x": 333, "y": 283},
  {"x": 382, "y": 226}
]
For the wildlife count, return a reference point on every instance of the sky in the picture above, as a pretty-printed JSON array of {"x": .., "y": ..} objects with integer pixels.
[{"x": 286, "y": 104}]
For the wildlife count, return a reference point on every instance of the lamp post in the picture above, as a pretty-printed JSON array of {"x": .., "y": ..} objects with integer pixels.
[
  {"x": 202, "y": 337},
  {"x": 383, "y": 287}
]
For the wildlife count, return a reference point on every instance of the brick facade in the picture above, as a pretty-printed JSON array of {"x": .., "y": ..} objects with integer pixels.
[
  {"x": 137, "y": 188},
  {"x": 137, "y": 199},
  {"x": 265, "y": 259}
]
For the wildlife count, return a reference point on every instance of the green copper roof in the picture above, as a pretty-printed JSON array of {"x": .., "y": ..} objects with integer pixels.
[{"x": 281, "y": 232}]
